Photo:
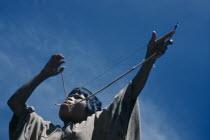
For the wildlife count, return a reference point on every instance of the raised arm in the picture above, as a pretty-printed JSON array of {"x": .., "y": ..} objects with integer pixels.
[
  {"x": 155, "y": 45},
  {"x": 18, "y": 99}
]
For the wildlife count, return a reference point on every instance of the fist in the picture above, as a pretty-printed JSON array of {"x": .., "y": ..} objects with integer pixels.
[{"x": 53, "y": 67}]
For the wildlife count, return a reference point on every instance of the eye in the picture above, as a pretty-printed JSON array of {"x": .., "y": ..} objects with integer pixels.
[{"x": 77, "y": 97}]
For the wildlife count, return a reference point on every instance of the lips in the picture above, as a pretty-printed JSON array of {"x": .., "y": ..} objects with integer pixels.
[{"x": 65, "y": 105}]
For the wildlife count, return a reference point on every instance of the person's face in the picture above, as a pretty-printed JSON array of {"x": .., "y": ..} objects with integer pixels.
[{"x": 75, "y": 114}]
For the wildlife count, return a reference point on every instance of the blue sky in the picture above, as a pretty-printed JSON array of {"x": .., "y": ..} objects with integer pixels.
[{"x": 95, "y": 36}]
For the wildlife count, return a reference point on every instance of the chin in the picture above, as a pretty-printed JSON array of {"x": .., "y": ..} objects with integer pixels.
[
  {"x": 75, "y": 115},
  {"x": 64, "y": 116},
  {"x": 67, "y": 117}
]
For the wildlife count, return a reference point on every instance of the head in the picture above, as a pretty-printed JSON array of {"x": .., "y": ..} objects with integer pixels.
[{"x": 81, "y": 110}]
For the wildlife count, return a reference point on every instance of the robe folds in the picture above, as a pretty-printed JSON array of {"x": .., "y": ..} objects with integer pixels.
[{"x": 119, "y": 121}]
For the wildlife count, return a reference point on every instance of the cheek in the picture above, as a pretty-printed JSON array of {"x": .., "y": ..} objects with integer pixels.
[
  {"x": 80, "y": 107},
  {"x": 79, "y": 111}
]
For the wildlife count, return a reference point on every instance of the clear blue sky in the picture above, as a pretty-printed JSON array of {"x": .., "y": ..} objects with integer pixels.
[{"x": 97, "y": 35}]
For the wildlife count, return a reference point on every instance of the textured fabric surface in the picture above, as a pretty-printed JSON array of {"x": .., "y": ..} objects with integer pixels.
[{"x": 119, "y": 121}]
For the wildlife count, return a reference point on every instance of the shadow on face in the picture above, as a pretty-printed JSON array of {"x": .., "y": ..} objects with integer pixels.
[{"x": 77, "y": 113}]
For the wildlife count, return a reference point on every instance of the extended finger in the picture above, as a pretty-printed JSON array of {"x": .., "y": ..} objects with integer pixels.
[
  {"x": 58, "y": 63},
  {"x": 168, "y": 35},
  {"x": 153, "y": 36},
  {"x": 57, "y": 57},
  {"x": 61, "y": 62},
  {"x": 60, "y": 56},
  {"x": 152, "y": 40}
]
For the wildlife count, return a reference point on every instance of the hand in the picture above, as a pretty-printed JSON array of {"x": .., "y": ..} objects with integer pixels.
[
  {"x": 159, "y": 46},
  {"x": 53, "y": 67}
]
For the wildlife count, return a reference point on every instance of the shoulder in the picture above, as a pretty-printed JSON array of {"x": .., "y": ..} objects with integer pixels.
[
  {"x": 26, "y": 116},
  {"x": 28, "y": 123}
]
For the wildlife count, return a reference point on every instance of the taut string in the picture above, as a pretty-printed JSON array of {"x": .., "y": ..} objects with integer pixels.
[{"x": 115, "y": 80}]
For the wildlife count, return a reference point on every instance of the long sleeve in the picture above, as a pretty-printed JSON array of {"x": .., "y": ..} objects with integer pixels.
[
  {"x": 115, "y": 121},
  {"x": 30, "y": 126}
]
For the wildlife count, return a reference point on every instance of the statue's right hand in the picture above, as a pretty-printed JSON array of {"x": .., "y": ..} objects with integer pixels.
[{"x": 53, "y": 67}]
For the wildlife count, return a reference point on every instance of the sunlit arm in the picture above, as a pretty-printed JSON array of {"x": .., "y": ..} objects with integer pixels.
[
  {"x": 18, "y": 99},
  {"x": 141, "y": 77},
  {"x": 157, "y": 46}
]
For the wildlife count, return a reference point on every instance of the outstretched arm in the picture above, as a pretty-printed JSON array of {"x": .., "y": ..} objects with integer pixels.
[
  {"x": 18, "y": 99},
  {"x": 158, "y": 46}
]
